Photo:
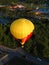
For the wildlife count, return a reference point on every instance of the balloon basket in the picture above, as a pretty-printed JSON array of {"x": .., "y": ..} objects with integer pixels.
[{"x": 22, "y": 46}]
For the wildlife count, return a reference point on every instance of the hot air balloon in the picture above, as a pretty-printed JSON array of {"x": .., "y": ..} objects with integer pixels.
[{"x": 22, "y": 29}]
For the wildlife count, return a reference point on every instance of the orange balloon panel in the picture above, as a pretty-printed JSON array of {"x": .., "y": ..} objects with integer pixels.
[{"x": 26, "y": 38}]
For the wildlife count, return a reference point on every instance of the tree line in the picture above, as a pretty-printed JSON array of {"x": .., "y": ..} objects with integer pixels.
[{"x": 25, "y": 1}]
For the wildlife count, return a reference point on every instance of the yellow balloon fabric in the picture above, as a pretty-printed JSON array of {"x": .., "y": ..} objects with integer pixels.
[{"x": 20, "y": 28}]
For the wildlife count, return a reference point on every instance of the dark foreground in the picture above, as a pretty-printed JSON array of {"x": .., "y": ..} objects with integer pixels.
[{"x": 19, "y": 61}]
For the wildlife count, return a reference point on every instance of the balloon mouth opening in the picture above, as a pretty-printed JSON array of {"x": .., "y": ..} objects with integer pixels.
[{"x": 23, "y": 40}]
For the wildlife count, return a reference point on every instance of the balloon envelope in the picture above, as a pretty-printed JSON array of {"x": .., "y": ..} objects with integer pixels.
[{"x": 22, "y": 29}]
